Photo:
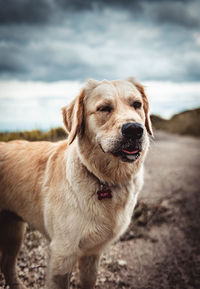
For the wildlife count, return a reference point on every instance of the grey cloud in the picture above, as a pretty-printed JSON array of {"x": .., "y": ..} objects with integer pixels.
[
  {"x": 75, "y": 5},
  {"x": 8, "y": 67},
  {"x": 176, "y": 13},
  {"x": 39, "y": 12},
  {"x": 43, "y": 60},
  {"x": 102, "y": 43},
  {"x": 11, "y": 60},
  {"x": 24, "y": 11},
  {"x": 191, "y": 68},
  {"x": 43, "y": 11}
]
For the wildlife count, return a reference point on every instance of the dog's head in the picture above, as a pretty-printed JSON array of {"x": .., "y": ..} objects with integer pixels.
[{"x": 113, "y": 116}]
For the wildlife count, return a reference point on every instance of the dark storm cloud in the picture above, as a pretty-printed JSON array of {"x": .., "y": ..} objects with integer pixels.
[
  {"x": 183, "y": 13},
  {"x": 75, "y": 5},
  {"x": 12, "y": 61},
  {"x": 42, "y": 11},
  {"x": 99, "y": 4},
  {"x": 24, "y": 11},
  {"x": 37, "y": 12},
  {"x": 9, "y": 67},
  {"x": 52, "y": 40}
]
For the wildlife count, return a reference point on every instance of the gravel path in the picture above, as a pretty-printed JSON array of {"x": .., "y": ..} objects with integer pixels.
[{"x": 161, "y": 249}]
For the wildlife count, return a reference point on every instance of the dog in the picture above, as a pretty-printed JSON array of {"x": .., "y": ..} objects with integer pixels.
[{"x": 80, "y": 192}]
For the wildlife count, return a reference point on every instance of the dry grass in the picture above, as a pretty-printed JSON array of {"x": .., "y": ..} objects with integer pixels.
[
  {"x": 53, "y": 134},
  {"x": 184, "y": 123}
]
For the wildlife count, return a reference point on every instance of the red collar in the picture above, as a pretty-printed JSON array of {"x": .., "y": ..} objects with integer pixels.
[{"x": 104, "y": 192}]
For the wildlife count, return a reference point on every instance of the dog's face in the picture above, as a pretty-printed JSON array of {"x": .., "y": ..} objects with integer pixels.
[{"x": 113, "y": 116}]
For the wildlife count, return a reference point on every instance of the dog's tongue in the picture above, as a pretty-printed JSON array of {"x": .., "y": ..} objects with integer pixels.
[{"x": 130, "y": 152}]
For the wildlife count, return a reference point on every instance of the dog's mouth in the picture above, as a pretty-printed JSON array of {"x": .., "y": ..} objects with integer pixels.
[{"x": 128, "y": 152}]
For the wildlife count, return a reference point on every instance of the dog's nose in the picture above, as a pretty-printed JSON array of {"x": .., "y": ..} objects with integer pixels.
[{"x": 132, "y": 130}]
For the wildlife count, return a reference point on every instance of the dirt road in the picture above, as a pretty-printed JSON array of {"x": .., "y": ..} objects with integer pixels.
[{"x": 161, "y": 250}]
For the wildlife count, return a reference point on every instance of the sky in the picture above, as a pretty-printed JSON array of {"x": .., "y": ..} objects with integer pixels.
[{"x": 49, "y": 48}]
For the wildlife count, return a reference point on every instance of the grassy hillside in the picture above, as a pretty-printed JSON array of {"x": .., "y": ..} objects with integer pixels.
[
  {"x": 53, "y": 134},
  {"x": 185, "y": 123}
]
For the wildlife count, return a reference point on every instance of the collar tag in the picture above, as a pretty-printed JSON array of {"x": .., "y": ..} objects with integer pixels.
[{"x": 104, "y": 192}]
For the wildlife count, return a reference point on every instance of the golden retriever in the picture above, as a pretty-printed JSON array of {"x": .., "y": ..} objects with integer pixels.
[{"x": 80, "y": 192}]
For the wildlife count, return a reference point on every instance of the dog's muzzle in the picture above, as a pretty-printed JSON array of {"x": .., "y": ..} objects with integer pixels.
[{"x": 130, "y": 146}]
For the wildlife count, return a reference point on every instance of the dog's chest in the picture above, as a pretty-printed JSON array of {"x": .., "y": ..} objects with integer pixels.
[{"x": 110, "y": 219}]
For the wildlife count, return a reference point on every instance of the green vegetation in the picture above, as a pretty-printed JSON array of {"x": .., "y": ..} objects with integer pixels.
[
  {"x": 184, "y": 123},
  {"x": 53, "y": 134}
]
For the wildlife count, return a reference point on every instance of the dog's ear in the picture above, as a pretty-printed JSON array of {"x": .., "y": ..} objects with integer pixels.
[
  {"x": 91, "y": 84},
  {"x": 140, "y": 87},
  {"x": 73, "y": 116}
]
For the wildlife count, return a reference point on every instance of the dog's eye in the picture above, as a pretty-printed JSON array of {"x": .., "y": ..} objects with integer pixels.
[
  {"x": 137, "y": 104},
  {"x": 105, "y": 108}
]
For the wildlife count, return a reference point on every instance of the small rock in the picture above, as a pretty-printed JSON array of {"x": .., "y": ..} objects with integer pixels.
[{"x": 122, "y": 262}]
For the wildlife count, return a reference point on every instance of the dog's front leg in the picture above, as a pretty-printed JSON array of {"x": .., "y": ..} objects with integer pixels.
[
  {"x": 59, "y": 268},
  {"x": 88, "y": 266}
]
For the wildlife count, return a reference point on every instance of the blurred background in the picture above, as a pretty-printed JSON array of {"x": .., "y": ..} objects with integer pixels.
[{"x": 49, "y": 48}]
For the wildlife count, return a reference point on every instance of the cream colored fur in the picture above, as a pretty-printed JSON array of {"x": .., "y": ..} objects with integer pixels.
[{"x": 53, "y": 186}]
